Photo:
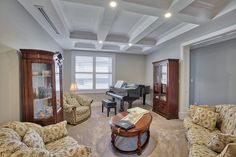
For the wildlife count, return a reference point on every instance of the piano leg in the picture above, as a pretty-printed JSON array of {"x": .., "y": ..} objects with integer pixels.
[
  {"x": 121, "y": 105},
  {"x": 144, "y": 99}
]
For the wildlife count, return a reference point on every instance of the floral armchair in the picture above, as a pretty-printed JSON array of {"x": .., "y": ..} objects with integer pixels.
[{"x": 76, "y": 108}]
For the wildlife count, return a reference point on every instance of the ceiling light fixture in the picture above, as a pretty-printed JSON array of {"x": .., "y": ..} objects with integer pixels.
[
  {"x": 168, "y": 15},
  {"x": 100, "y": 41},
  {"x": 113, "y": 4},
  {"x": 130, "y": 44}
]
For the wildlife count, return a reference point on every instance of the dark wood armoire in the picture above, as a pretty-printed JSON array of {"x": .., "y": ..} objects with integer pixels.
[
  {"x": 166, "y": 88},
  {"x": 41, "y": 87}
]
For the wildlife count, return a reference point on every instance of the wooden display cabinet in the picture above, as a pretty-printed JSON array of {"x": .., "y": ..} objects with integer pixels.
[
  {"x": 42, "y": 87},
  {"x": 166, "y": 88}
]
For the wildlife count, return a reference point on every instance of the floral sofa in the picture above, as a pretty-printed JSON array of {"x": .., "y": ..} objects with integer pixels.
[
  {"x": 76, "y": 108},
  {"x": 23, "y": 139},
  {"x": 214, "y": 134}
]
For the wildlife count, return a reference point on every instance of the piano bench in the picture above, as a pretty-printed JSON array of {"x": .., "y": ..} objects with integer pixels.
[{"x": 108, "y": 104}]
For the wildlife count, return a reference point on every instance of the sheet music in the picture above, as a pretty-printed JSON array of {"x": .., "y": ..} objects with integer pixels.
[{"x": 119, "y": 84}]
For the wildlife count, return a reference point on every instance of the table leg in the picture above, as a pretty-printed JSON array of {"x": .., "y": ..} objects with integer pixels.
[
  {"x": 139, "y": 149},
  {"x": 112, "y": 138}
]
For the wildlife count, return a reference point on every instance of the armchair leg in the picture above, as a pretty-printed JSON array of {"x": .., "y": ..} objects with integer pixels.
[{"x": 102, "y": 107}]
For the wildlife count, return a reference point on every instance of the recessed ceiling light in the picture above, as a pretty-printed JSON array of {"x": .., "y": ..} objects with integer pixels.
[
  {"x": 130, "y": 44},
  {"x": 100, "y": 41},
  {"x": 113, "y": 4},
  {"x": 168, "y": 15}
]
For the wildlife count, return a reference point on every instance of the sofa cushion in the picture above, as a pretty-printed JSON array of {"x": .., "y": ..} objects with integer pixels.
[
  {"x": 200, "y": 135},
  {"x": 201, "y": 151},
  {"x": 36, "y": 127},
  {"x": 33, "y": 139},
  {"x": 219, "y": 141},
  {"x": 33, "y": 152},
  {"x": 19, "y": 127},
  {"x": 222, "y": 110},
  {"x": 228, "y": 125},
  {"x": 67, "y": 146},
  {"x": 82, "y": 109},
  {"x": 9, "y": 146},
  {"x": 54, "y": 132},
  {"x": 193, "y": 109},
  {"x": 7, "y": 133},
  {"x": 205, "y": 118}
]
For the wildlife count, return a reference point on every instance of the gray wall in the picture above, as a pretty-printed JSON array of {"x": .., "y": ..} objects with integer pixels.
[{"x": 213, "y": 74}]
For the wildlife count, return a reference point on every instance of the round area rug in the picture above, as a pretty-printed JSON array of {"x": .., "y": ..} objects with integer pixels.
[{"x": 96, "y": 133}]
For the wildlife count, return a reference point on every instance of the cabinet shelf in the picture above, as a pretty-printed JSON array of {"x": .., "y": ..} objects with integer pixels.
[
  {"x": 41, "y": 76},
  {"x": 41, "y": 99}
]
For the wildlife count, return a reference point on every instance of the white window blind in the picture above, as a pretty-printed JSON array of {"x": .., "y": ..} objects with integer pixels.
[{"x": 93, "y": 72}]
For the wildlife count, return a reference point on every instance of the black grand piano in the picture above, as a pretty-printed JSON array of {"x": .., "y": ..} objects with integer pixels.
[{"x": 128, "y": 93}]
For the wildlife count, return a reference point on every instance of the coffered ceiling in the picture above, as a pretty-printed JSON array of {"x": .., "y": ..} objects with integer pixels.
[{"x": 134, "y": 26}]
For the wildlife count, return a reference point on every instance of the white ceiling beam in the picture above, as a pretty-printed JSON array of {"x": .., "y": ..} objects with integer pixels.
[
  {"x": 106, "y": 23},
  {"x": 224, "y": 7},
  {"x": 57, "y": 5},
  {"x": 176, "y": 31},
  {"x": 178, "y": 5},
  {"x": 142, "y": 9},
  {"x": 86, "y": 37},
  {"x": 175, "y": 7}
]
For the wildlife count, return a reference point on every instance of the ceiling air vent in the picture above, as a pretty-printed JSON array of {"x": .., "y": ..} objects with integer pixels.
[{"x": 42, "y": 11}]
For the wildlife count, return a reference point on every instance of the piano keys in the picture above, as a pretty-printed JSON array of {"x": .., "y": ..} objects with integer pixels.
[{"x": 128, "y": 93}]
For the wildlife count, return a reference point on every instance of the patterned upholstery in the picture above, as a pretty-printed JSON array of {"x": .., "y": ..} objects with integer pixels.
[
  {"x": 205, "y": 118},
  {"x": 67, "y": 146},
  {"x": 193, "y": 109},
  {"x": 219, "y": 141},
  {"x": 76, "y": 108},
  {"x": 199, "y": 137},
  {"x": 33, "y": 139},
  {"x": 197, "y": 150},
  {"x": 54, "y": 132},
  {"x": 18, "y": 139}
]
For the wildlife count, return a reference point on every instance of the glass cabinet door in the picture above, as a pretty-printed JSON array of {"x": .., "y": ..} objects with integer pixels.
[
  {"x": 58, "y": 87},
  {"x": 42, "y": 90},
  {"x": 163, "y": 76}
]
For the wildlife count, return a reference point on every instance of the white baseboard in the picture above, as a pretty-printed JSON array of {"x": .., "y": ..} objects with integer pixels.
[{"x": 183, "y": 115}]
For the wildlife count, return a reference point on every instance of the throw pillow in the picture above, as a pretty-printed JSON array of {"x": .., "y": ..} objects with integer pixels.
[
  {"x": 193, "y": 109},
  {"x": 19, "y": 127},
  {"x": 54, "y": 132},
  {"x": 205, "y": 118},
  {"x": 219, "y": 141},
  {"x": 32, "y": 139},
  {"x": 7, "y": 133}
]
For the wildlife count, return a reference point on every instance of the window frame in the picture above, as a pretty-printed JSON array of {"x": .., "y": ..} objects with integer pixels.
[{"x": 94, "y": 55}]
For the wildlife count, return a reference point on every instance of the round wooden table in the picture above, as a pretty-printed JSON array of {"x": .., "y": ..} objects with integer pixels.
[{"x": 141, "y": 127}]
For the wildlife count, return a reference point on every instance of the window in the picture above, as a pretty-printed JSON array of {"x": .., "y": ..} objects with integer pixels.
[{"x": 92, "y": 72}]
